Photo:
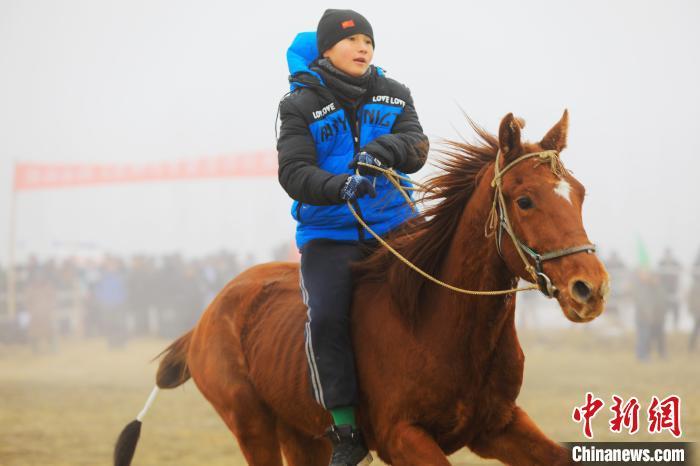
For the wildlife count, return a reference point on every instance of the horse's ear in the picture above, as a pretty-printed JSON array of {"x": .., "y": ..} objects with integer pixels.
[
  {"x": 555, "y": 139},
  {"x": 509, "y": 136}
]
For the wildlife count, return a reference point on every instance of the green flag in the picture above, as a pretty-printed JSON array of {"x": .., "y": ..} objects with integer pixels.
[{"x": 642, "y": 255}]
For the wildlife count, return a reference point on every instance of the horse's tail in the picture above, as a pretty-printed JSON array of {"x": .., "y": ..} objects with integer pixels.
[{"x": 172, "y": 372}]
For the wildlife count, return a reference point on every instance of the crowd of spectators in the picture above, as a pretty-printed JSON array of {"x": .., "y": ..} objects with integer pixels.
[
  {"x": 114, "y": 297},
  {"x": 118, "y": 298}
]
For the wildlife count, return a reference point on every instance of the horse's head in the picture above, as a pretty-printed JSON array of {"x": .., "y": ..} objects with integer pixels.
[{"x": 537, "y": 215}]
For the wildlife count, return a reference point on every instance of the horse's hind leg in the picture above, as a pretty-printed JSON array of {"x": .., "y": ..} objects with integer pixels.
[
  {"x": 252, "y": 423},
  {"x": 302, "y": 450},
  {"x": 216, "y": 362}
]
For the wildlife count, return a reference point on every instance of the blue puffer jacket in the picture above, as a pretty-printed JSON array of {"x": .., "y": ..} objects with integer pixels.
[{"x": 318, "y": 140}]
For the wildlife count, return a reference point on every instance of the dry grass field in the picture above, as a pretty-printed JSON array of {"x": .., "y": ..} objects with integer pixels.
[{"x": 67, "y": 408}]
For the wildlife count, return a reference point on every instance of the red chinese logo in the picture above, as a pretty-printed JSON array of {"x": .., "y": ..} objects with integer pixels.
[
  {"x": 665, "y": 415},
  {"x": 662, "y": 414},
  {"x": 587, "y": 412},
  {"x": 626, "y": 416}
]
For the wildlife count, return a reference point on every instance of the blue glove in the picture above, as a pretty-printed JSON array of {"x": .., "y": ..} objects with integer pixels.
[
  {"x": 365, "y": 157},
  {"x": 356, "y": 187}
]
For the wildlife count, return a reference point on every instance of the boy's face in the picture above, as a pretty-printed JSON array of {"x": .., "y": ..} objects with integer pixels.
[{"x": 352, "y": 55}]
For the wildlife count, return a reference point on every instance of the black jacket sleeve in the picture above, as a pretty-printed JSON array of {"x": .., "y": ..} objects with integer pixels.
[
  {"x": 406, "y": 147},
  {"x": 298, "y": 171}
]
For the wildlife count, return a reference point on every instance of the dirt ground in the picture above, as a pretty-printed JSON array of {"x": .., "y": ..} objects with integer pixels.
[{"x": 67, "y": 408}]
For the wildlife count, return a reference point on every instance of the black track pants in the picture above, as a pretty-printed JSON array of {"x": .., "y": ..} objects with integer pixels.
[{"x": 326, "y": 287}]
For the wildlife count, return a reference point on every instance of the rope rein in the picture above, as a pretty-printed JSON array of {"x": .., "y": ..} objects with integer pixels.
[
  {"x": 496, "y": 221},
  {"x": 390, "y": 175},
  {"x": 427, "y": 275}
]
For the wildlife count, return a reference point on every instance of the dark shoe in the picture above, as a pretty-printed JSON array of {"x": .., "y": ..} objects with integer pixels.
[{"x": 349, "y": 447}]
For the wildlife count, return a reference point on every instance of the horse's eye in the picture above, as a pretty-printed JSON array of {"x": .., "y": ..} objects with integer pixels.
[{"x": 524, "y": 202}]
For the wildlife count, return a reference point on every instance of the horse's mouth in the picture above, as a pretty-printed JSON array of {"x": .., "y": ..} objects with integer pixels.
[
  {"x": 578, "y": 313},
  {"x": 576, "y": 317}
]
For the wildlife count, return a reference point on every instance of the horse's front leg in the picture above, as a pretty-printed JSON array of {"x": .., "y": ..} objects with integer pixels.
[
  {"x": 408, "y": 445},
  {"x": 522, "y": 443}
]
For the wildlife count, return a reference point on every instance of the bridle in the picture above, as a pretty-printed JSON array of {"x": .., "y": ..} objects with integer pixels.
[{"x": 498, "y": 222}]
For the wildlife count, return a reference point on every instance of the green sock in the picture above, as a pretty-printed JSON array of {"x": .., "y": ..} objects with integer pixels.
[{"x": 344, "y": 415}]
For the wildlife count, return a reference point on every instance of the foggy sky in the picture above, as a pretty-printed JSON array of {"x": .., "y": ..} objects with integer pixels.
[{"x": 131, "y": 81}]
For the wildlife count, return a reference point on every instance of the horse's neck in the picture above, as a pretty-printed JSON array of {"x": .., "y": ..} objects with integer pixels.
[{"x": 473, "y": 263}]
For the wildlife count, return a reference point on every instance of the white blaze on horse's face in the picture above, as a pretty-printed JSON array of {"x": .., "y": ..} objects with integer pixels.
[{"x": 563, "y": 189}]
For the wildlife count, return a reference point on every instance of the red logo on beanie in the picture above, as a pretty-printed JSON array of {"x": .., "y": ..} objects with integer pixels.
[{"x": 347, "y": 24}]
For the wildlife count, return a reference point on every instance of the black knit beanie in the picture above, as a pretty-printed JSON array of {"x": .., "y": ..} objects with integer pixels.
[{"x": 336, "y": 25}]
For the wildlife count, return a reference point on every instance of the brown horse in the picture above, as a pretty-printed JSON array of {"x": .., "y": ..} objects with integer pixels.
[{"x": 438, "y": 370}]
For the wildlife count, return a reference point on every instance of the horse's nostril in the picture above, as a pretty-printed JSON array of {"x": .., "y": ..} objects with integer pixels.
[{"x": 581, "y": 291}]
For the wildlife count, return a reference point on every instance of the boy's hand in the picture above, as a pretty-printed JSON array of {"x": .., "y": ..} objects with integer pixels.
[
  {"x": 365, "y": 157},
  {"x": 356, "y": 187}
]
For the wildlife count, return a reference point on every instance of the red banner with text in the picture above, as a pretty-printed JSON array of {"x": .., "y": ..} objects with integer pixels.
[{"x": 33, "y": 176}]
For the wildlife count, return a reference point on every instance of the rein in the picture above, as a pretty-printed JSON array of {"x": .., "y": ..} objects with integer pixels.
[{"x": 496, "y": 223}]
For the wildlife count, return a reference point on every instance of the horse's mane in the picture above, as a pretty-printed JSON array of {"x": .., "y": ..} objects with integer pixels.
[{"x": 424, "y": 239}]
